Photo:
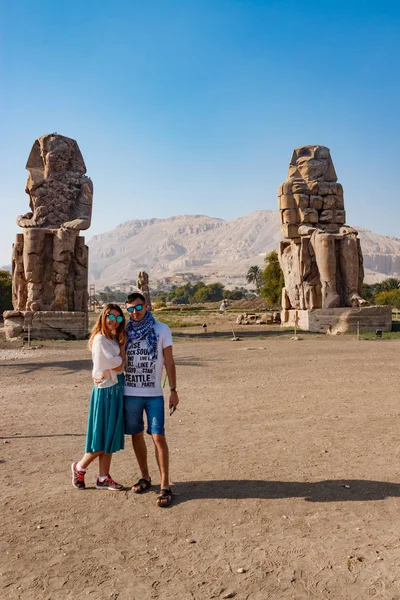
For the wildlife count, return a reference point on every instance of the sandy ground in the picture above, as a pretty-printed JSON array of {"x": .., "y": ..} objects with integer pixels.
[{"x": 285, "y": 463}]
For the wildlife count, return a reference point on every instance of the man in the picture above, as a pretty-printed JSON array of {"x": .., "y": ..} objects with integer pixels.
[{"x": 148, "y": 349}]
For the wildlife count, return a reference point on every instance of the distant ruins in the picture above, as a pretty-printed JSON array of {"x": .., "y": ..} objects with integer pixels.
[
  {"x": 321, "y": 257},
  {"x": 143, "y": 285},
  {"x": 50, "y": 258}
]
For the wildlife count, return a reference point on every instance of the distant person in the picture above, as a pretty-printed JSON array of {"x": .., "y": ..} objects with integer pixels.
[
  {"x": 105, "y": 430},
  {"x": 148, "y": 349},
  {"x": 224, "y": 305}
]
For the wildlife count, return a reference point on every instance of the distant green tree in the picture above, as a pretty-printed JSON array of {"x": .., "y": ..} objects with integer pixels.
[
  {"x": 214, "y": 292},
  {"x": 161, "y": 298},
  {"x": 197, "y": 286},
  {"x": 217, "y": 291},
  {"x": 198, "y": 292},
  {"x": 5, "y": 291},
  {"x": 120, "y": 296},
  {"x": 391, "y": 297},
  {"x": 368, "y": 292},
  {"x": 109, "y": 295},
  {"x": 254, "y": 275},
  {"x": 273, "y": 281},
  {"x": 236, "y": 294},
  {"x": 181, "y": 295},
  {"x": 105, "y": 297},
  {"x": 202, "y": 295},
  {"x": 391, "y": 283}
]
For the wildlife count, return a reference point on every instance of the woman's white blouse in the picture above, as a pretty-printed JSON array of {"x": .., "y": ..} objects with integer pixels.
[{"x": 106, "y": 356}]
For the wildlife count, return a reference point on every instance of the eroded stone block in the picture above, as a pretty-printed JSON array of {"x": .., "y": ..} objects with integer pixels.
[
  {"x": 339, "y": 216},
  {"x": 326, "y": 216},
  {"x": 308, "y": 215},
  {"x": 290, "y": 230},
  {"x": 340, "y": 320},
  {"x": 316, "y": 202},
  {"x": 46, "y": 325},
  {"x": 302, "y": 200},
  {"x": 290, "y": 215},
  {"x": 287, "y": 201},
  {"x": 329, "y": 202}
]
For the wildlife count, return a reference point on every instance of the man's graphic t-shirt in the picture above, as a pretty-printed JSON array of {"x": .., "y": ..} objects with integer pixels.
[{"x": 142, "y": 375}]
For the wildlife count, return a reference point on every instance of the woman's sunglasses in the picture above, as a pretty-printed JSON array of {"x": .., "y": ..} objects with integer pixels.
[
  {"x": 112, "y": 317},
  {"x": 130, "y": 309}
]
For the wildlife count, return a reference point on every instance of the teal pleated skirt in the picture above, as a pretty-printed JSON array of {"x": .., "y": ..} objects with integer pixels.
[{"x": 105, "y": 430}]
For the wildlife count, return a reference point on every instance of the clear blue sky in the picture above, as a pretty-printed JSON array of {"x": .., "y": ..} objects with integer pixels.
[{"x": 194, "y": 106}]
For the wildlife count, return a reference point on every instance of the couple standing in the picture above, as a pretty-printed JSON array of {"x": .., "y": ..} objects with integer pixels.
[{"x": 141, "y": 348}]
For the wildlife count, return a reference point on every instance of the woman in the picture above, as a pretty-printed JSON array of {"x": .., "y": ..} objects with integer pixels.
[{"x": 105, "y": 431}]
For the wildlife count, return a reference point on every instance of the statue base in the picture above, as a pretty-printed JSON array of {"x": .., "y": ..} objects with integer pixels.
[
  {"x": 339, "y": 320},
  {"x": 46, "y": 325}
]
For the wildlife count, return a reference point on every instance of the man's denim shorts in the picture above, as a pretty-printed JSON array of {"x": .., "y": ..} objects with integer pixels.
[{"x": 134, "y": 406}]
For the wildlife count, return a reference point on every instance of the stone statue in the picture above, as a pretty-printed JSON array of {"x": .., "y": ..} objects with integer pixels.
[
  {"x": 321, "y": 258},
  {"x": 60, "y": 194},
  {"x": 143, "y": 286},
  {"x": 19, "y": 292},
  {"x": 61, "y": 205},
  {"x": 79, "y": 276},
  {"x": 50, "y": 259}
]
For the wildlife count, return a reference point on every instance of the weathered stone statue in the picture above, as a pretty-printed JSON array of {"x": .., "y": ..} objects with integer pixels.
[
  {"x": 322, "y": 262},
  {"x": 60, "y": 194},
  {"x": 143, "y": 286},
  {"x": 321, "y": 257},
  {"x": 50, "y": 260}
]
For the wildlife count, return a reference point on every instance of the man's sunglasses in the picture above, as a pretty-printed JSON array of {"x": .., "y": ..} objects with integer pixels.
[
  {"x": 130, "y": 309},
  {"x": 112, "y": 317}
]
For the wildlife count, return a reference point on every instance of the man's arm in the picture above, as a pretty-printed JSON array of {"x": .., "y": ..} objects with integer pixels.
[{"x": 169, "y": 364}]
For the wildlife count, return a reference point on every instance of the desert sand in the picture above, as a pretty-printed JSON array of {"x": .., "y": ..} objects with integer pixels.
[{"x": 284, "y": 462}]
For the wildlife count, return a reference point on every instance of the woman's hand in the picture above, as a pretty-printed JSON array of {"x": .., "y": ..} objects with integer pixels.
[{"x": 99, "y": 377}]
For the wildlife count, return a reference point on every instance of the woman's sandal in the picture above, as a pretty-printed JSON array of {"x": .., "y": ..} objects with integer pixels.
[
  {"x": 165, "y": 498},
  {"x": 141, "y": 486}
]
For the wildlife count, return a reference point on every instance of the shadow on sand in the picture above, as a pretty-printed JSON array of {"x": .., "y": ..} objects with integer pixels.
[
  {"x": 46, "y": 435},
  {"x": 73, "y": 366},
  {"x": 69, "y": 366},
  {"x": 242, "y": 335},
  {"x": 338, "y": 490}
]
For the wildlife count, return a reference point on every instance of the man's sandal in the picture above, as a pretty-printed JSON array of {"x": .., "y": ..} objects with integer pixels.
[
  {"x": 141, "y": 486},
  {"x": 165, "y": 498}
]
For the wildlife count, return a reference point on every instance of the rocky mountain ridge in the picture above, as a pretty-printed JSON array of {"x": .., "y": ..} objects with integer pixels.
[{"x": 210, "y": 248}]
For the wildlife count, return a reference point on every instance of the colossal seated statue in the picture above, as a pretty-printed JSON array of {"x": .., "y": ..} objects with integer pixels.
[
  {"x": 60, "y": 194},
  {"x": 321, "y": 258},
  {"x": 49, "y": 260}
]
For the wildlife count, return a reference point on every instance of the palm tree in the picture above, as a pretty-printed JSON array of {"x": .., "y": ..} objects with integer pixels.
[
  {"x": 391, "y": 283},
  {"x": 254, "y": 275}
]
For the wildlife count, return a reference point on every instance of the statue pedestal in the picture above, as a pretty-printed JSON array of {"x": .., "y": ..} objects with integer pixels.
[
  {"x": 339, "y": 320},
  {"x": 46, "y": 325}
]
